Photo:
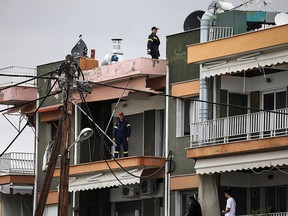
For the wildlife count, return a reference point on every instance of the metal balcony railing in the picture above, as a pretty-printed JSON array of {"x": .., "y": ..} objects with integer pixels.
[
  {"x": 242, "y": 127},
  {"x": 17, "y": 163},
  {"x": 269, "y": 214},
  {"x": 6, "y": 81},
  {"x": 220, "y": 32}
]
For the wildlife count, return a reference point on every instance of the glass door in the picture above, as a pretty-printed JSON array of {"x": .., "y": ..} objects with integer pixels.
[{"x": 274, "y": 123}]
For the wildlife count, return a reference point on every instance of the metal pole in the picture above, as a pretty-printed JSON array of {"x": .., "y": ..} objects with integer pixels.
[
  {"x": 167, "y": 175},
  {"x": 35, "y": 197},
  {"x": 76, "y": 129}
]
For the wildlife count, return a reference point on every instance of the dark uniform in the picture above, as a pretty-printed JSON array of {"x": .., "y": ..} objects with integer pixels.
[
  {"x": 194, "y": 209},
  {"x": 121, "y": 132},
  {"x": 153, "y": 46}
]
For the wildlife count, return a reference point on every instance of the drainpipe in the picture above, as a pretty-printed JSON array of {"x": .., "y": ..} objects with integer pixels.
[
  {"x": 76, "y": 129},
  {"x": 35, "y": 197},
  {"x": 206, "y": 22},
  {"x": 167, "y": 175}
]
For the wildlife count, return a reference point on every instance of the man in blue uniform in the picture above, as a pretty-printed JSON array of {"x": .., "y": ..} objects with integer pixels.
[
  {"x": 121, "y": 135},
  {"x": 153, "y": 44}
]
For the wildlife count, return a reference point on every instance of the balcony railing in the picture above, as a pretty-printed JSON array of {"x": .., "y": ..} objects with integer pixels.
[
  {"x": 269, "y": 214},
  {"x": 6, "y": 81},
  {"x": 242, "y": 127},
  {"x": 220, "y": 32},
  {"x": 17, "y": 163}
]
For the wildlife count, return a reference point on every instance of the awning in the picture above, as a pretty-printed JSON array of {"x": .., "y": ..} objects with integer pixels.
[
  {"x": 241, "y": 162},
  {"x": 104, "y": 180},
  {"x": 250, "y": 61},
  {"x": 14, "y": 189}
]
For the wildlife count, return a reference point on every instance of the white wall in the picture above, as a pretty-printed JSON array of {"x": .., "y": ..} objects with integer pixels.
[
  {"x": 258, "y": 83},
  {"x": 138, "y": 106},
  {"x": 250, "y": 180}
]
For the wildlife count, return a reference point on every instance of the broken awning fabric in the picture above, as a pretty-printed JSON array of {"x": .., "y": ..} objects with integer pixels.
[
  {"x": 241, "y": 162},
  {"x": 251, "y": 61},
  {"x": 103, "y": 180}
]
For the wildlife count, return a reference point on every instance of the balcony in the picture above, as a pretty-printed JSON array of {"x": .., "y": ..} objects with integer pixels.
[
  {"x": 127, "y": 69},
  {"x": 17, "y": 163},
  {"x": 269, "y": 214},
  {"x": 242, "y": 133},
  {"x": 106, "y": 174},
  {"x": 220, "y": 32},
  {"x": 21, "y": 93},
  {"x": 239, "y": 128},
  {"x": 238, "y": 45}
]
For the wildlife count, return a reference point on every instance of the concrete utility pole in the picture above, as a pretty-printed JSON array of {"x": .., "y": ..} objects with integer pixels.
[
  {"x": 63, "y": 196},
  {"x": 63, "y": 138}
]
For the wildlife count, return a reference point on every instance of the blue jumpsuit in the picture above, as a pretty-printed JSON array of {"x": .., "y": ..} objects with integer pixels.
[{"x": 121, "y": 132}]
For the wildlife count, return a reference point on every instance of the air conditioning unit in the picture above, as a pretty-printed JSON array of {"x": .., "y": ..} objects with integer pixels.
[
  {"x": 130, "y": 193},
  {"x": 149, "y": 186}
]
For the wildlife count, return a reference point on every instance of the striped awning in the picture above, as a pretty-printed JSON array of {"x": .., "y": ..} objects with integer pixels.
[
  {"x": 104, "y": 180},
  {"x": 243, "y": 63},
  {"x": 241, "y": 162}
]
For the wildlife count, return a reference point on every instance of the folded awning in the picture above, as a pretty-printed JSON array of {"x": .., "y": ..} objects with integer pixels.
[
  {"x": 104, "y": 180},
  {"x": 16, "y": 189},
  {"x": 241, "y": 162},
  {"x": 243, "y": 63}
]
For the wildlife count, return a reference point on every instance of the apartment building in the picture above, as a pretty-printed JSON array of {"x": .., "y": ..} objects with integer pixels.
[
  {"x": 93, "y": 186},
  {"x": 17, "y": 168},
  {"x": 239, "y": 140}
]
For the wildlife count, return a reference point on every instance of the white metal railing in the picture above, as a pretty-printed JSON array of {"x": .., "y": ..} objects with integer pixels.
[
  {"x": 6, "y": 81},
  {"x": 220, "y": 32},
  {"x": 269, "y": 214},
  {"x": 241, "y": 127},
  {"x": 17, "y": 163}
]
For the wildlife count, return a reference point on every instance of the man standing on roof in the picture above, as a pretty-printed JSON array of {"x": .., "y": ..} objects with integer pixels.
[
  {"x": 153, "y": 44},
  {"x": 121, "y": 135}
]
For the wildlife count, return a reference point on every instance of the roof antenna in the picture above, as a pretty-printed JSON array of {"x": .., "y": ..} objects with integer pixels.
[{"x": 80, "y": 49}]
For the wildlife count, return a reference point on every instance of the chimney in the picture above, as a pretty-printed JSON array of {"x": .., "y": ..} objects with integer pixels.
[
  {"x": 93, "y": 53},
  {"x": 117, "y": 46}
]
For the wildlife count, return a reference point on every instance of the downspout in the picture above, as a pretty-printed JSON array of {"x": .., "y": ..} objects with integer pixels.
[
  {"x": 214, "y": 8},
  {"x": 206, "y": 22},
  {"x": 167, "y": 174},
  {"x": 36, "y": 141},
  {"x": 76, "y": 129}
]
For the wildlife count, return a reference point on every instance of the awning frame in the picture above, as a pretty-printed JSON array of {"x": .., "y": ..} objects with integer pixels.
[{"x": 241, "y": 162}]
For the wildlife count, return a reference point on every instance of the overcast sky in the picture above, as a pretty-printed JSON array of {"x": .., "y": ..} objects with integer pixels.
[{"x": 36, "y": 32}]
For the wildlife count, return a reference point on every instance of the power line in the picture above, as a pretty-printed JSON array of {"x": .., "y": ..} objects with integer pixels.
[
  {"x": 28, "y": 80},
  {"x": 44, "y": 98},
  {"x": 189, "y": 99},
  {"x": 93, "y": 121},
  {"x": 103, "y": 155},
  {"x": 25, "y": 76},
  {"x": 29, "y": 102}
]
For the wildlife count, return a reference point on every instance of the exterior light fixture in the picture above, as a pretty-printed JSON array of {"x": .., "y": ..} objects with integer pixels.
[{"x": 84, "y": 135}]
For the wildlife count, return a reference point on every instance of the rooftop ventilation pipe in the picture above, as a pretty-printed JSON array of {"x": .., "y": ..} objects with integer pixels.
[
  {"x": 116, "y": 54},
  {"x": 214, "y": 8}
]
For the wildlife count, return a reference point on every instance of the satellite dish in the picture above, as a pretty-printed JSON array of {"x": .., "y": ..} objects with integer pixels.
[
  {"x": 192, "y": 21},
  {"x": 80, "y": 49},
  {"x": 281, "y": 19}
]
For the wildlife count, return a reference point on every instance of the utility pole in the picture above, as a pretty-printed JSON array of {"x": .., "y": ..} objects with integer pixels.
[
  {"x": 63, "y": 140},
  {"x": 49, "y": 172},
  {"x": 63, "y": 196}
]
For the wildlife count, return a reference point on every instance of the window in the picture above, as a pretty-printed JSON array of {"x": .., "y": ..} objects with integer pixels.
[
  {"x": 274, "y": 100},
  {"x": 186, "y": 113}
]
